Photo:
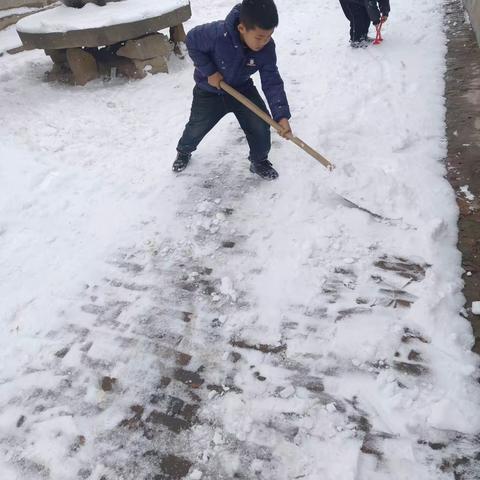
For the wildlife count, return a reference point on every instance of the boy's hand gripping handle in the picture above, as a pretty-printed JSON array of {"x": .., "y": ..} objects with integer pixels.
[{"x": 265, "y": 117}]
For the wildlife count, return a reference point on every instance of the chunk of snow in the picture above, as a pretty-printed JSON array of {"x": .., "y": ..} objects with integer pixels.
[
  {"x": 218, "y": 438},
  {"x": 195, "y": 475},
  {"x": 476, "y": 308},
  {"x": 226, "y": 288},
  {"x": 288, "y": 391},
  {"x": 467, "y": 193},
  {"x": 330, "y": 407}
]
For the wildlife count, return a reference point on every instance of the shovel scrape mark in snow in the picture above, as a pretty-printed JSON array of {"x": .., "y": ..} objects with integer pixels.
[
  {"x": 288, "y": 431},
  {"x": 403, "y": 267},
  {"x": 61, "y": 353},
  {"x": 175, "y": 467},
  {"x": 182, "y": 359},
  {"x": 414, "y": 356},
  {"x": 129, "y": 267},
  {"x": 409, "y": 335},
  {"x": 93, "y": 309},
  {"x": 192, "y": 379},
  {"x": 108, "y": 383},
  {"x": 433, "y": 445},
  {"x": 223, "y": 389},
  {"x": 348, "y": 312},
  {"x": 260, "y": 347},
  {"x": 397, "y": 298},
  {"x": 127, "y": 285},
  {"x": 376, "y": 216},
  {"x": 312, "y": 384},
  {"x": 174, "y": 424},
  {"x": 135, "y": 421},
  {"x": 369, "y": 447},
  {"x": 414, "y": 369},
  {"x": 361, "y": 422}
]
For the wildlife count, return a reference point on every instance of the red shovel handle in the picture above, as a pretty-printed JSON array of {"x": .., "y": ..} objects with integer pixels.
[{"x": 379, "y": 38}]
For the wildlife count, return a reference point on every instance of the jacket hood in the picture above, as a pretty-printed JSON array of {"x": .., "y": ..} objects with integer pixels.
[{"x": 231, "y": 22}]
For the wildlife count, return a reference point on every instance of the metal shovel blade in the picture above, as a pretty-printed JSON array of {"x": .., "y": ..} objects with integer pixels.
[{"x": 304, "y": 146}]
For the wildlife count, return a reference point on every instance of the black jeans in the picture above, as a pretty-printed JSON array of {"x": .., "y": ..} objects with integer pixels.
[
  {"x": 208, "y": 108},
  {"x": 359, "y": 20}
]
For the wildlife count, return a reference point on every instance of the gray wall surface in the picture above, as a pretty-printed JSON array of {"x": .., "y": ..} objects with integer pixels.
[
  {"x": 473, "y": 8},
  {"x": 6, "y": 4}
]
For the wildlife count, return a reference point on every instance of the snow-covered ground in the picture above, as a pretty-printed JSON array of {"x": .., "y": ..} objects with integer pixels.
[
  {"x": 213, "y": 325},
  {"x": 9, "y": 39}
]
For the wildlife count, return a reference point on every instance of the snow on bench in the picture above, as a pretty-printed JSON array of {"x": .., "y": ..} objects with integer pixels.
[{"x": 93, "y": 26}]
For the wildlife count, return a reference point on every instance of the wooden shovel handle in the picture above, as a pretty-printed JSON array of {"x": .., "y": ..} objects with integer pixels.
[{"x": 268, "y": 119}]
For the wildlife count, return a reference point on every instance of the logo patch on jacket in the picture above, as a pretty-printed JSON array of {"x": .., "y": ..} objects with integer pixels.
[{"x": 251, "y": 63}]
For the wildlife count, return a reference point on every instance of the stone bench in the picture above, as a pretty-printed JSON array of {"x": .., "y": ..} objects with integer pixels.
[{"x": 120, "y": 37}]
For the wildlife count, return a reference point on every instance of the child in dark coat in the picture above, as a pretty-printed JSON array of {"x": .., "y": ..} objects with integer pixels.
[
  {"x": 361, "y": 13},
  {"x": 232, "y": 50}
]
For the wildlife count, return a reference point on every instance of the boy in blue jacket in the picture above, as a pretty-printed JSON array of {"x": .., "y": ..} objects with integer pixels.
[
  {"x": 361, "y": 13},
  {"x": 232, "y": 50}
]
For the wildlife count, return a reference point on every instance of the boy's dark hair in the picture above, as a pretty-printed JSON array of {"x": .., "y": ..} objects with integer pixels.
[{"x": 259, "y": 13}]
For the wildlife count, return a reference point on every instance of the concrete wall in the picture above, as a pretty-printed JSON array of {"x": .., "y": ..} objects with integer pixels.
[
  {"x": 473, "y": 8},
  {"x": 6, "y": 4}
]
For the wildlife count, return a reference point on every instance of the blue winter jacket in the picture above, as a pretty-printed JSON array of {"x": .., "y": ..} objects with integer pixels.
[{"x": 217, "y": 47}]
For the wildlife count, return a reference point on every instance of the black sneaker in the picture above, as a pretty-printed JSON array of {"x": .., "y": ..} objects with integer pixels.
[
  {"x": 359, "y": 43},
  {"x": 264, "y": 169},
  {"x": 181, "y": 161}
]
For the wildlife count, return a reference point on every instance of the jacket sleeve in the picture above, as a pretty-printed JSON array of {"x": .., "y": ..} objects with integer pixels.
[
  {"x": 384, "y": 6},
  {"x": 373, "y": 11},
  {"x": 272, "y": 86},
  {"x": 201, "y": 44}
]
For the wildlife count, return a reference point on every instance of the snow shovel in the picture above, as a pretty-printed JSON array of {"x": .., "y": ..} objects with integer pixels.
[
  {"x": 265, "y": 117},
  {"x": 379, "y": 39}
]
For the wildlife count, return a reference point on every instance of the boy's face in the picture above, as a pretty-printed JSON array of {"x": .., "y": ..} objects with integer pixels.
[{"x": 256, "y": 38}]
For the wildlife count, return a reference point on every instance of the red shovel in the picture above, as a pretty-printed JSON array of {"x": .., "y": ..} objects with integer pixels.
[{"x": 379, "y": 39}]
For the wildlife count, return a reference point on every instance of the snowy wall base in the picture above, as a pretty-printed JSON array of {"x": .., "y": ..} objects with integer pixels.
[
  {"x": 473, "y": 8},
  {"x": 132, "y": 59}
]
